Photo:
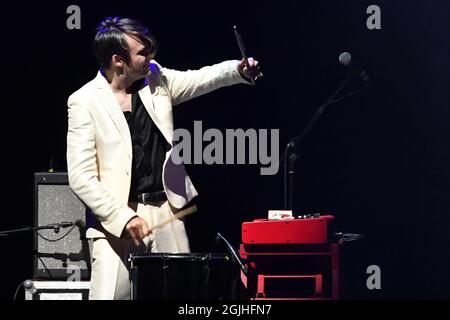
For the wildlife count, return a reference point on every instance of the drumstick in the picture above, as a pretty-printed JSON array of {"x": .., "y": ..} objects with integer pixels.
[
  {"x": 244, "y": 54},
  {"x": 180, "y": 214}
]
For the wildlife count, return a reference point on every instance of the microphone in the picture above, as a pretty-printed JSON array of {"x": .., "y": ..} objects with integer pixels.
[
  {"x": 232, "y": 252},
  {"x": 80, "y": 223},
  {"x": 66, "y": 224},
  {"x": 345, "y": 58}
]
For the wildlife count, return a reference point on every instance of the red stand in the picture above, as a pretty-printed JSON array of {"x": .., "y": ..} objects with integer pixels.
[{"x": 266, "y": 241}]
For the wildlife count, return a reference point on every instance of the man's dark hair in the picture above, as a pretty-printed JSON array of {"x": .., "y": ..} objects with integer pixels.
[{"x": 110, "y": 39}]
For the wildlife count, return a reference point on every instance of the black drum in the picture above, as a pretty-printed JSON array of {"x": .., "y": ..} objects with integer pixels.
[{"x": 192, "y": 276}]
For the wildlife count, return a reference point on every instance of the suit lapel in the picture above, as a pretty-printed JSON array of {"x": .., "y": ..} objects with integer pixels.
[
  {"x": 147, "y": 100},
  {"x": 113, "y": 108}
]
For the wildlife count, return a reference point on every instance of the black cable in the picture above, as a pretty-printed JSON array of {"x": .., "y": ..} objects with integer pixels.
[
  {"x": 58, "y": 239},
  {"x": 45, "y": 267},
  {"x": 17, "y": 290}
]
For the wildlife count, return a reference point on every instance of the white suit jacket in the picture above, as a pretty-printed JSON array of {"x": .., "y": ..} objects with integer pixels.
[{"x": 99, "y": 149}]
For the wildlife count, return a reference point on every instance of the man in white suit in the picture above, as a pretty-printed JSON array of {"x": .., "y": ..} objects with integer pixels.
[{"x": 119, "y": 143}]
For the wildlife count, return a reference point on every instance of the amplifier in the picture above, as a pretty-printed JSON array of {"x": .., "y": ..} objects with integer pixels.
[{"x": 64, "y": 254}]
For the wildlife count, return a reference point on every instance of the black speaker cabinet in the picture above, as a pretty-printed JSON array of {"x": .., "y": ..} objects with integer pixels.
[{"x": 62, "y": 254}]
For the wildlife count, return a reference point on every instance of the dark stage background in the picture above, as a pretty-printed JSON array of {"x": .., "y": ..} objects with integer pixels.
[{"x": 379, "y": 161}]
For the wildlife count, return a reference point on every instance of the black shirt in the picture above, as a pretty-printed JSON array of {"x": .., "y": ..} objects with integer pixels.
[{"x": 149, "y": 149}]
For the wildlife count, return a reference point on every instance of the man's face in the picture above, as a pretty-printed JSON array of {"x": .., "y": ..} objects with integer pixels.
[{"x": 138, "y": 64}]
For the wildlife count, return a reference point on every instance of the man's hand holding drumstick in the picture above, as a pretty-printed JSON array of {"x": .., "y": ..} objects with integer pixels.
[{"x": 137, "y": 228}]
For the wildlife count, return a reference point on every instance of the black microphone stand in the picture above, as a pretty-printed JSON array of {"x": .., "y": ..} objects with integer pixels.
[
  {"x": 53, "y": 226},
  {"x": 291, "y": 156},
  {"x": 234, "y": 255}
]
